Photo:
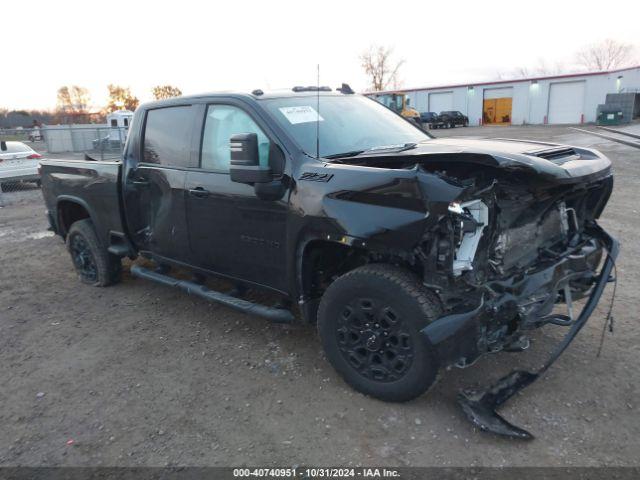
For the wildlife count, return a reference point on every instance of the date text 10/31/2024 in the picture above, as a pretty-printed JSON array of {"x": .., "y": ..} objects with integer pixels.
[{"x": 307, "y": 472}]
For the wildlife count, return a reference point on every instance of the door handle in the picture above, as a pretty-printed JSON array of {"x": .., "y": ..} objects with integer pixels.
[
  {"x": 141, "y": 182},
  {"x": 198, "y": 192}
]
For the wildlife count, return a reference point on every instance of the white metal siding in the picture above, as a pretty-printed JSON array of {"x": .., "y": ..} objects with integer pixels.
[
  {"x": 440, "y": 101},
  {"x": 490, "y": 93},
  {"x": 566, "y": 102},
  {"x": 531, "y": 99}
]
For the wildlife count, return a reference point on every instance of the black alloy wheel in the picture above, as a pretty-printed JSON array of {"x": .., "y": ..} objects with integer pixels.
[
  {"x": 83, "y": 259},
  {"x": 374, "y": 339},
  {"x": 92, "y": 261},
  {"x": 370, "y": 321}
]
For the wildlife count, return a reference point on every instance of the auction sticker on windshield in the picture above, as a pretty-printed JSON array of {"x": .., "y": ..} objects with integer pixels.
[{"x": 301, "y": 114}]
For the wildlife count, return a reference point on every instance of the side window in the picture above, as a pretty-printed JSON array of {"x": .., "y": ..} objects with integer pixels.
[
  {"x": 167, "y": 136},
  {"x": 221, "y": 122}
]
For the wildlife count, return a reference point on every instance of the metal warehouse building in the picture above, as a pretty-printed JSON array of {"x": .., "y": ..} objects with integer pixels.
[{"x": 552, "y": 99}]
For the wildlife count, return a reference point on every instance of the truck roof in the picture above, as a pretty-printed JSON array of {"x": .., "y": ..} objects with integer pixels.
[{"x": 257, "y": 94}]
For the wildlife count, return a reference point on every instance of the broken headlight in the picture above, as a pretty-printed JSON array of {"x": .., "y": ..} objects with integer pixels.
[{"x": 470, "y": 218}]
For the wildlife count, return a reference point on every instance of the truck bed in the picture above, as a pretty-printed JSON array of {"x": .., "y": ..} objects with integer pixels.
[{"x": 92, "y": 185}]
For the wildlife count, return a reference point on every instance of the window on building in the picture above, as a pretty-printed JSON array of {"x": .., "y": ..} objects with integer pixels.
[
  {"x": 114, "y": 122},
  {"x": 223, "y": 121},
  {"x": 167, "y": 136}
]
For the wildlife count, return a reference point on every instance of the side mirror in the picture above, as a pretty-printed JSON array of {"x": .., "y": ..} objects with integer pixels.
[{"x": 245, "y": 160}]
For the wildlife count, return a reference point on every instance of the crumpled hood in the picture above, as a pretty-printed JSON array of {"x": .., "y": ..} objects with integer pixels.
[
  {"x": 492, "y": 145},
  {"x": 556, "y": 163}
]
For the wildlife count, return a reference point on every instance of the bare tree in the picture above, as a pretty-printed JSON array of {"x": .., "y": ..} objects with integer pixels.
[
  {"x": 380, "y": 67},
  {"x": 165, "y": 91},
  {"x": 540, "y": 70},
  {"x": 121, "y": 97},
  {"x": 73, "y": 99},
  {"x": 80, "y": 98},
  {"x": 606, "y": 55}
]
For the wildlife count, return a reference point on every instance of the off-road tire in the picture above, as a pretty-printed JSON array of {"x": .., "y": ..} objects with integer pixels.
[
  {"x": 391, "y": 290},
  {"x": 93, "y": 263}
]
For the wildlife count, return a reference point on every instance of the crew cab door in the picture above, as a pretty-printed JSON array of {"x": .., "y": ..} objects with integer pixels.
[
  {"x": 154, "y": 182},
  {"x": 231, "y": 231}
]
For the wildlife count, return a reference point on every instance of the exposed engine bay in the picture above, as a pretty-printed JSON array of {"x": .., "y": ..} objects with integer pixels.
[
  {"x": 488, "y": 247},
  {"x": 513, "y": 245}
]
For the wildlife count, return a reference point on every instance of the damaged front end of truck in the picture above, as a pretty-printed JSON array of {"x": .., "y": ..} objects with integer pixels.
[
  {"x": 507, "y": 239},
  {"x": 549, "y": 252}
]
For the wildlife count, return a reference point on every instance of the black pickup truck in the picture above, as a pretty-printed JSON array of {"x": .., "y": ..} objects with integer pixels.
[{"x": 409, "y": 253}]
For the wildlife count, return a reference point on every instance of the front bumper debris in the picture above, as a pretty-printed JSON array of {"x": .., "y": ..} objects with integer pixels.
[{"x": 455, "y": 330}]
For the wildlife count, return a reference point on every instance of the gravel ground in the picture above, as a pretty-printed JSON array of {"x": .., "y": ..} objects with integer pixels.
[{"x": 140, "y": 374}]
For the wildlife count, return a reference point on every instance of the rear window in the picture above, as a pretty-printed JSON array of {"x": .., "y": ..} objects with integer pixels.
[
  {"x": 16, "y": 147},
  {"x": 167, "y": 136}
]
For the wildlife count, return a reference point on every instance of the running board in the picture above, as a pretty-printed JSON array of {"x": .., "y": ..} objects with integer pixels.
[{"x": 276, "y": 315}]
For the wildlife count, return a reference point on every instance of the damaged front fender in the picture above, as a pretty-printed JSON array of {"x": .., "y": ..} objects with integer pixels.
[{"x": 390, "y": 207}]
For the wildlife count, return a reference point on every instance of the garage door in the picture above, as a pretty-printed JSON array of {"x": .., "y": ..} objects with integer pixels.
[
  {"x": 496, "y": 106},
  {"x": 490, "y": 93},
  {"x": 566, "y": 102},
  {"x": 440, "y": 102}
]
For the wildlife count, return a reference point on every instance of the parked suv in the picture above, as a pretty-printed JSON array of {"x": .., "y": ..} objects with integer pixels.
[{"x": 450, "y": 119}]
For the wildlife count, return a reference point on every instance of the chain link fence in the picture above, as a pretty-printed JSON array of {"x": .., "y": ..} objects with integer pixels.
[
  {"x": 22, "y": 148},
  {"x": 104, "y": 143}
]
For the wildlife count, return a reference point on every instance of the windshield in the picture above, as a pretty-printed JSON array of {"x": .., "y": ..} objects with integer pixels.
[{"x": 347, "y": 124}]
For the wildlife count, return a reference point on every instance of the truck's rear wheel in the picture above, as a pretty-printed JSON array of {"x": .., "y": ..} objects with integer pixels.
[
  {"x": 93, "y": 263},
  {"x": 369, "y": 322}
]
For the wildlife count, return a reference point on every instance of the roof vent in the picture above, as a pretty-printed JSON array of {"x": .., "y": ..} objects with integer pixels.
[{"x": 557, "y": 155}]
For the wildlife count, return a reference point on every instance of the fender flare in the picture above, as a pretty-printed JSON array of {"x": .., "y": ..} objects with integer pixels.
[
  {"x": 77, "y": 201},
  {"x": 308, "y": 305}
]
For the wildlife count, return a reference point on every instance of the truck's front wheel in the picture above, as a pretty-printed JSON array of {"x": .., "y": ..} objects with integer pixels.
[
  {"x": 369, "y": 322},
  {"x": 93, "y": 263}
]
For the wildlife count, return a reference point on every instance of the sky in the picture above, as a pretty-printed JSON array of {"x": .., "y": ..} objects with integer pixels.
[{"x": 203, "y": 46}]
